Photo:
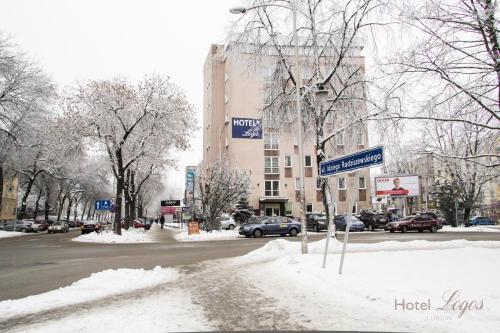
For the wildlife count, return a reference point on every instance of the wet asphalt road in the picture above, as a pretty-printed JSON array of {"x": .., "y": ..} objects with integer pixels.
[{"x": 38, "y": 263}]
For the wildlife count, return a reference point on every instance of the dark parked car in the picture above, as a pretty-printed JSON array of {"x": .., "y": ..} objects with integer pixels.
[
  {"x": 18, "y": 225},
  {"x": 481, "y": 220},
  {"x": 277, "y": 225},
  {"x": 58, "y": 226},
  {"x": 316, "y": 222},
  {"x": 147, "y": 224},
  {"x": 356, "y": 224},
  {"x": 90, "y": 226},
  {"x": 373, "y": 220},
  {"x": 415, "y": 222}
]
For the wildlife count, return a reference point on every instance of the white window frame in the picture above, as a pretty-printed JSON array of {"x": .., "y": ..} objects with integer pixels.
[
  {"x": 284, "y": 163},
  {"x": 339, "y": 139},
  {"x": 272, "y": 143},
  {"x": 360, "y": 136},
  {"x": 345, "y": 184},
  {"x": 364, "y": 182},
  {"x": 272, "y": 190},
  {"x": 305, "y": 163},
  {"x": 273, "y": 167},
  {"x": 297, "y": 183},
  {"x": 318, "y": 181}
]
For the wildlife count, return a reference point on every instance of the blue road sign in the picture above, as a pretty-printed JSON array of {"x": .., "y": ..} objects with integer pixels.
[
  {"x": 102, "y": 204},
  {"x": 359, "y": 160}
]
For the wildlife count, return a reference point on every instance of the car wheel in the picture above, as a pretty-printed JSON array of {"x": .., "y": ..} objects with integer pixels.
[
  {"x": 404, "y": 228},
  {"x": 434, "y": 228},
  {"x": 392, "y": 231},
  {"x": 293, "y": 232},
  {"x": 231, "y": 227},
  {"x": 316, "y": 228},
  {"x": 420, "y": 230},
  {"x": 371, "y": 227},
  {"x": 282, "y": 235},
  {"x": 247, "y": 236},
  {"x": 23, "y": 230},
  {"x": 257, "y": 233}
]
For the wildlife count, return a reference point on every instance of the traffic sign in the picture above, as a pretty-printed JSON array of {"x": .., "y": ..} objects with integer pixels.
[
  {"x": 102, "y": 204},
  {"x": 185, "y": 209},
  {"x": 359, "y": 160}
]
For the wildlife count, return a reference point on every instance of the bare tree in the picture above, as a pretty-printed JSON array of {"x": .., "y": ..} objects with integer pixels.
[
  {"x": 133, "y": 123},
  {"x": 217, "y": 189}
]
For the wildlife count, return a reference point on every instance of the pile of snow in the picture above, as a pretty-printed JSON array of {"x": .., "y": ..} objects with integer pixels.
[
  {"x": 481, "y": 228},
  {"x": 107, "y": 236},
  {"x": 96, "y": 286},
  {"x": 375, "y": 278},
  {"x": 8, "y": 234},
  {"x": 207, "y": 236}
]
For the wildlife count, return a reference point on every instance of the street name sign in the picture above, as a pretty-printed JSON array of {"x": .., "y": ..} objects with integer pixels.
[{"x": 362, "y": 159}]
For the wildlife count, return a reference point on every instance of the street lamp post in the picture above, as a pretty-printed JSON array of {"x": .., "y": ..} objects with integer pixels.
[{"x": 243, "y": 10}]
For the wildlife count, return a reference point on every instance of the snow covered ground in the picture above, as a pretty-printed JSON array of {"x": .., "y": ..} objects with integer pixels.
[
  {"x": 481, "y": 228},
  {"x": 377, "y": 279},
  {"x": 183, "y": 236},
  {"x": 128, "y": 236},
  {"x": 96, "y": 286},
  {"x": 8, "y": 234}
]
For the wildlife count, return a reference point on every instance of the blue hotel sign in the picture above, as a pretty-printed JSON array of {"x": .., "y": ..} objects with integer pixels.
[
  {"x": 247, "y": 128},
  {"x": 360, "y": 160}
]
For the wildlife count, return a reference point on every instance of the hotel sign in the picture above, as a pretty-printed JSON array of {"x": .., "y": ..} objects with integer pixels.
[{"x": 246, "y": 128}]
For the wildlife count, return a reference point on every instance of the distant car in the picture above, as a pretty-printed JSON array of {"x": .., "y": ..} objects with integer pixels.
[
  {"x": 316, "y": 222},
  {"x": 71, "y": 223},
  {"x": 138, "y": 223},
  {"x": 372, "y": 220},
  {"x": 481, "y": 220},
  {"x": 227, "y": 222},
  {"x": 414, "y": 222},
  {"x": 19, "y": 225},
  {"x": 276, "y": 225},
  {"x": 58, "y": 226},
  {"x": 90, "y": 226},
  {"x": 356, "y": 224}
]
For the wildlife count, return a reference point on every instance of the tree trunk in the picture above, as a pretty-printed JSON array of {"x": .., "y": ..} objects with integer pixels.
[
  {"x": 47, "y": 198},
  {"x": 68, "y": 209},
  {"x": 25, "y": 198},
  {"x": 118, "y": 208},
  {"x": 90, "y": 209},
  {"x": 35, "y": 213},
  {"x": 84, "y": 209},
  {"x": 1, "y": 186}
]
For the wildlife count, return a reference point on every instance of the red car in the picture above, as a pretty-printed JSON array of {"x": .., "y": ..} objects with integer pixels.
[
  {"x": 138, "y": 224},
  {"x": 414, "y": 222}
]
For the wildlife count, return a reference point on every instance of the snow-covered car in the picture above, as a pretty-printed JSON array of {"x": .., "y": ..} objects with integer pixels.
[
  {"x": 58, "y": 226},
  {"x": 227, "y": 223}
]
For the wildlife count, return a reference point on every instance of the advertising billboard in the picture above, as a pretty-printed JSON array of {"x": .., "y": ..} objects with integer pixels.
[
  {"x": 397, "y": 186},
  {"x": 190, "y": 175},
  {"x": 246, "y": 128}
]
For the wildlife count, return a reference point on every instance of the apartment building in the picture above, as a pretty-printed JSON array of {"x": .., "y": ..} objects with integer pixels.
[{"x": 235, "y": 93}]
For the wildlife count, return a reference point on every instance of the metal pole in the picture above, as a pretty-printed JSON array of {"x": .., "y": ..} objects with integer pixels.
[
  {"x": 299, "y": 127},
  {"x": 330, "y": 225},
  {"x": 348, "y": 221}
]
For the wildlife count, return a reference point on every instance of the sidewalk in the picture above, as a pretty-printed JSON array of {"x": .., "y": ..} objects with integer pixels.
[{"x": 162, "y": 235}]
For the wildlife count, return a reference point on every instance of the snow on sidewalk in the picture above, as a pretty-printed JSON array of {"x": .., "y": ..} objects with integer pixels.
[
  {"x": 9, "y": 234},
  {"x": 107, "y": 236},
  {"x": 183, "y": 236},
  {"x": 96, "y": 286},
  {"x": 378, "y": 276},
  {"x": 481, "y": 228}
]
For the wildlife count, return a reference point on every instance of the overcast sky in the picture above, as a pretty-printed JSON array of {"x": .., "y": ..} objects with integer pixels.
[{"x": 91, "y": 39}]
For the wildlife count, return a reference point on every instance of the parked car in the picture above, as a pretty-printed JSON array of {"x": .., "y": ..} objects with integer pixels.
[
  {"x": 356, "y": 224},
  {"x": 434, "y": 216},
  {"x": 19, "y": 225},
  {"x": 90, "y": 226},
  {"x": 276, "y": 225},
  {"x": 2, "y": 223},
  {"x": 147, "y": 224},
  {"x": 481, "y": 220},
  {"x": 372, "y": 220},
  {"x": 138, "y": 223},
  {"x": 316, "y": 221},
  {"x": 227, "y": 222},
  {"x": 414, "y": 222},
  {"x": 70, "y": 223},
  {"x": 58, "y": 226}
]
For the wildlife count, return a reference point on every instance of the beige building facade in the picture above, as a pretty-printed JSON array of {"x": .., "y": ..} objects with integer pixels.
[
  {"x": 9, "y": 198},
  {"x": 234, "y": 91}
]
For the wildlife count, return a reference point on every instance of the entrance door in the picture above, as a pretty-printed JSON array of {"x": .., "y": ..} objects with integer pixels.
[{"x": 272, "y": 210}]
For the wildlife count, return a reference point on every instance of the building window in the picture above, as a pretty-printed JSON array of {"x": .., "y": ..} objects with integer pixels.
[
  {"x": 309, "y": 208},
  {"x": 342, "y": 185},
  {"x": 359, "y": 136},
  {"x": 271, "y": 165},
  {"x": 272, "y": 188},
  {"x": 271, "y": 141},
  {"x": 288, "y": 209},
  {"x": 307, "y": 161},
  {"x": 318, "y": 183},
  {"x": 297, "y": 183},
  {"x": 342, "y": 195},
  {"x": 362, "y": 194},
  {"x": 288, "y": 161},
  {"x": 361, "y": 183},
  {"x": 340, "y": 139}
]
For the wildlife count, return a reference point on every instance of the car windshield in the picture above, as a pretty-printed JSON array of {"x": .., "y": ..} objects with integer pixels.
[{"x": 58, "y": 223}]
